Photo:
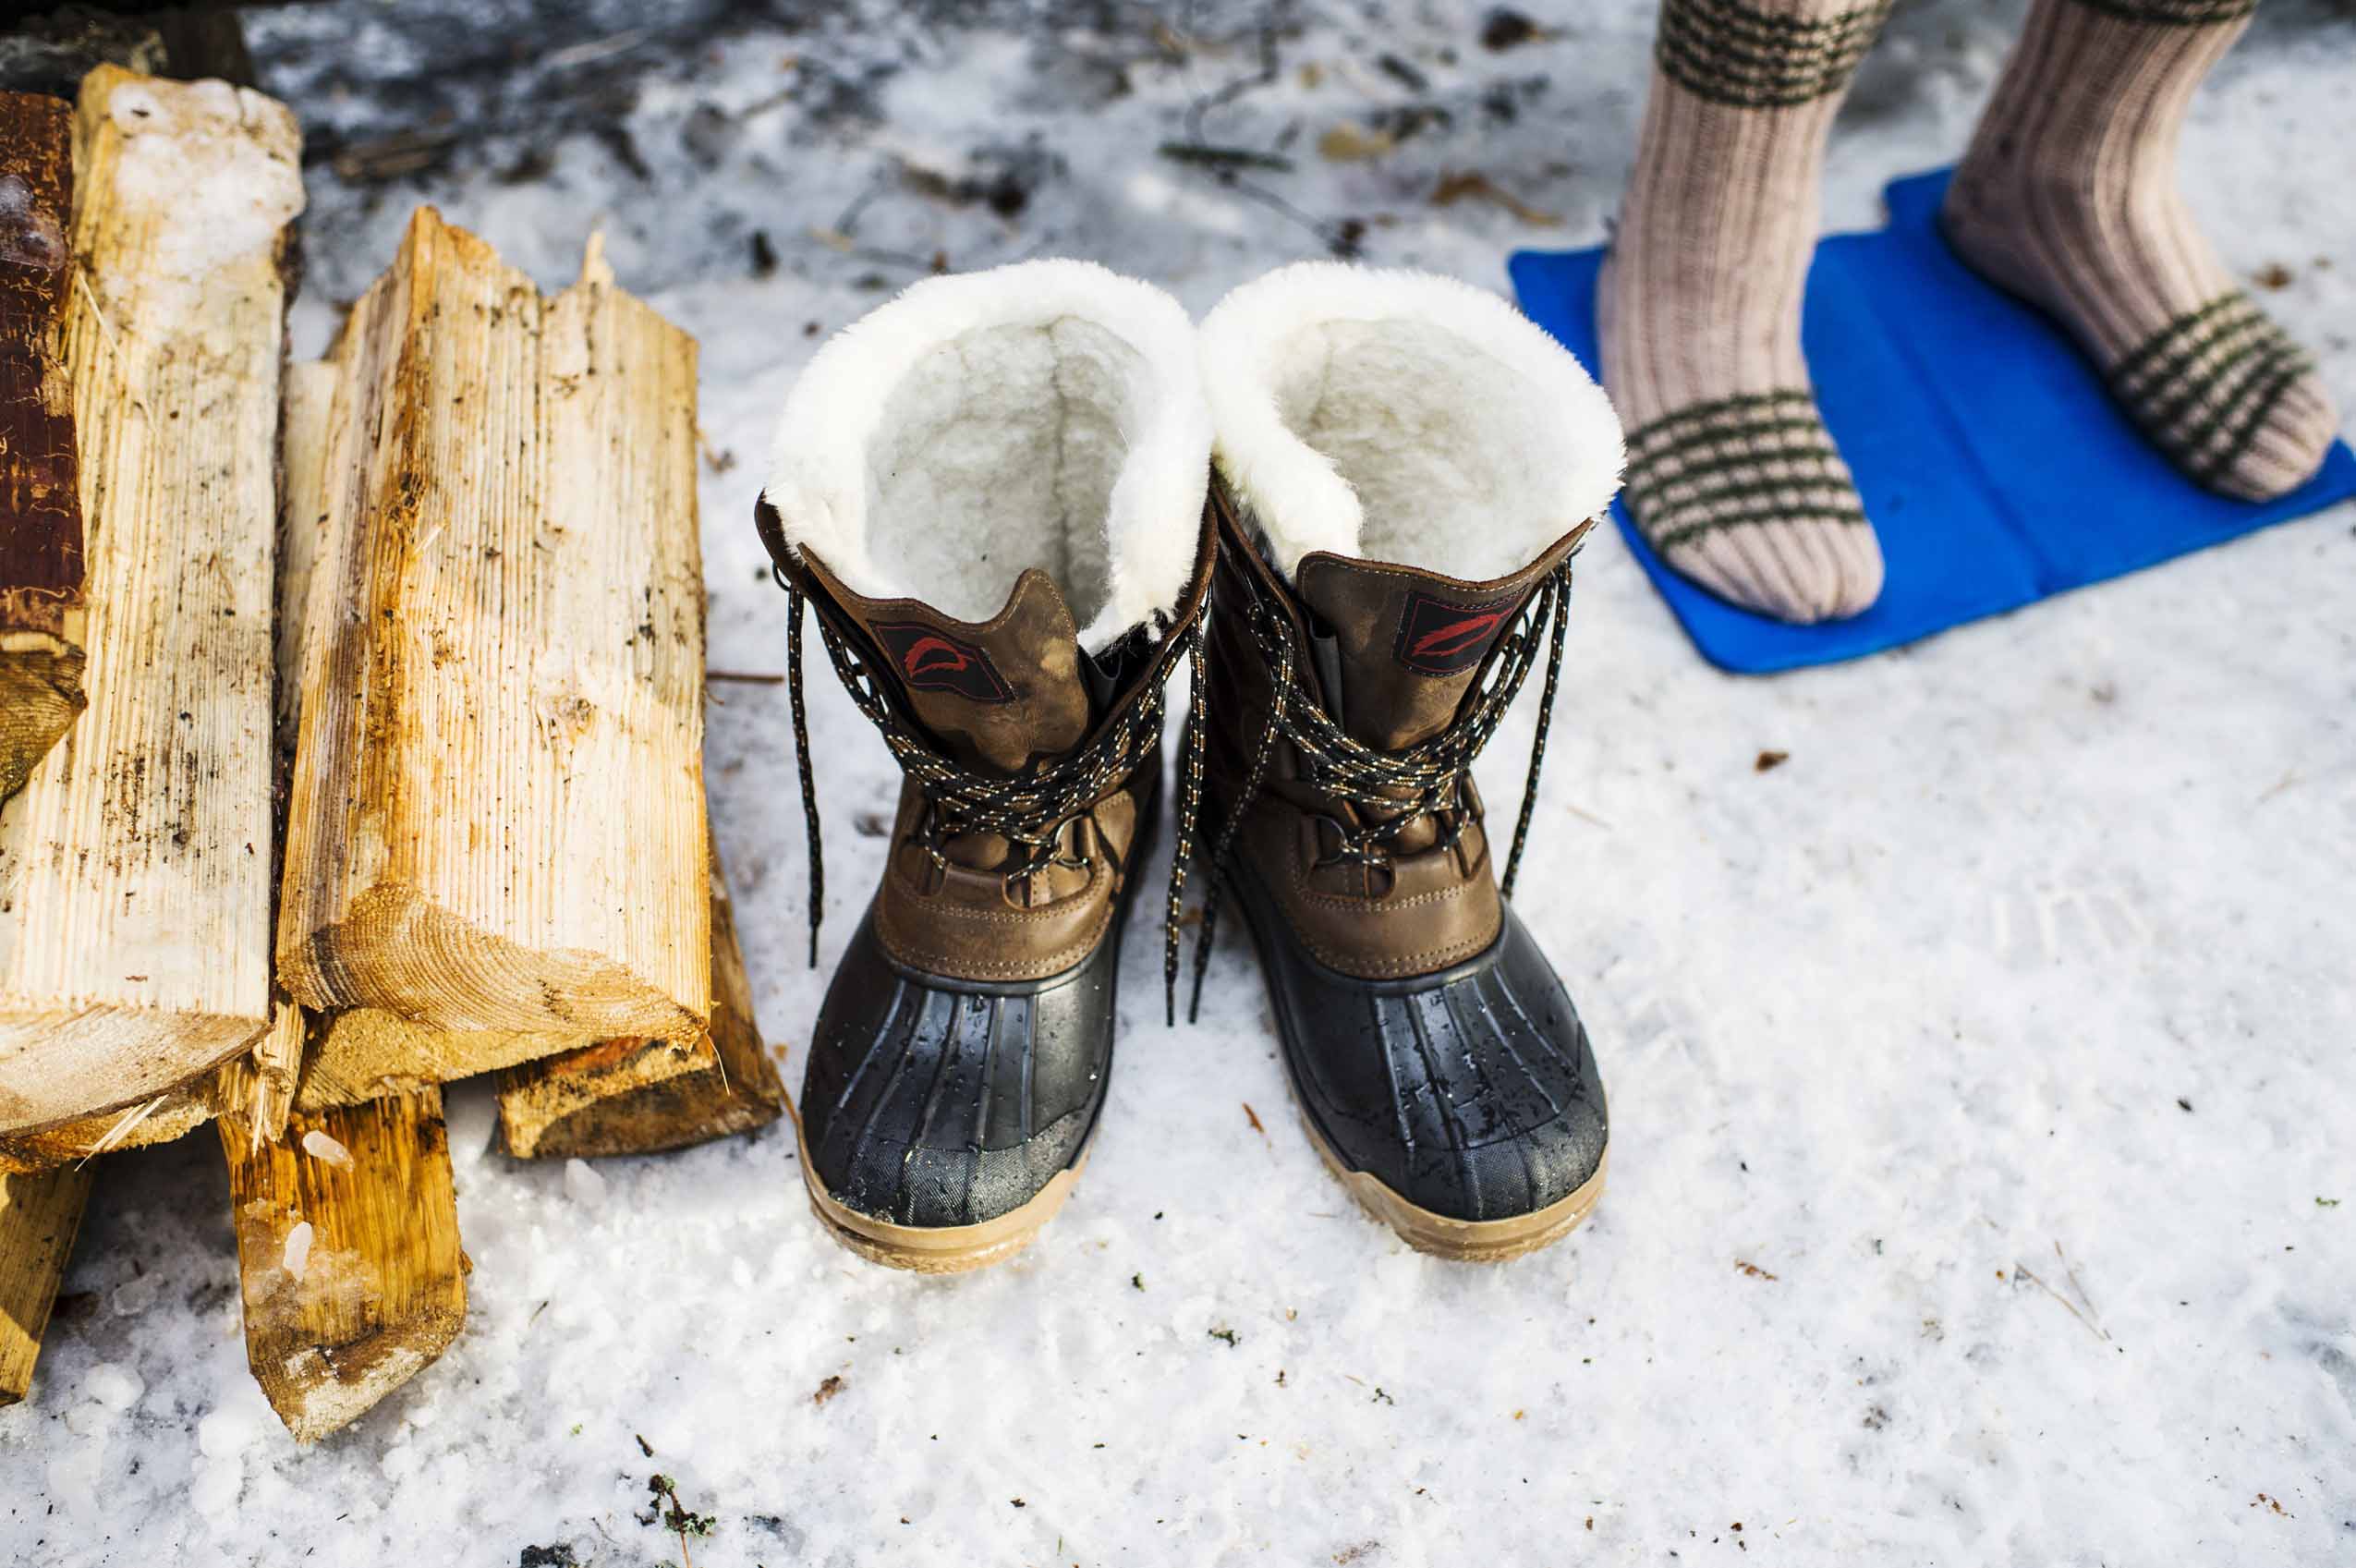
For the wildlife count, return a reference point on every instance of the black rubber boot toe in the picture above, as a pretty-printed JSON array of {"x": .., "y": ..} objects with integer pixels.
[
  {"x": 1471, "y": 1093},
  {"x": 935, "y": 1104}
]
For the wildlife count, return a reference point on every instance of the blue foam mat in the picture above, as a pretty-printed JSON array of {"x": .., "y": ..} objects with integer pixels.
[{"x": 1992, "y": 460}]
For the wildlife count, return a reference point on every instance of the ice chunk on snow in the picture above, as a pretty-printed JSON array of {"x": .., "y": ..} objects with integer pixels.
[
  {"x": 135, "y": 1294},
  {"x": 114, "y": 1385},
  {"x": 214, "y": 1484},
  {"x": 225, "y": 1432},
  {"x": 584, "y": 1186}
]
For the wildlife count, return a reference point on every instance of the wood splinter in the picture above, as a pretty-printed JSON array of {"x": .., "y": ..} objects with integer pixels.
[{"x": 348, "y": 1254}]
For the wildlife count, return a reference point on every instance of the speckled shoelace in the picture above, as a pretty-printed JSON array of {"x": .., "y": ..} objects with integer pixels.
[
  {"x": 1029, "y": 810},
  {"x": 1418, "y": 781}
]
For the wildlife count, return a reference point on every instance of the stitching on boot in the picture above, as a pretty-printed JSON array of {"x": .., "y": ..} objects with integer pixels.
[{"x": 1009, "y": 969}]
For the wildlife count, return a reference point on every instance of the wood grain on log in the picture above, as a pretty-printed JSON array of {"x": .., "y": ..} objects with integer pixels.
[
  {"x": 637, "y": 1095},
  {"x": 258, "y": 1084},
  {"x": 356, "y": 1056},
  {"x": 38, "y": 1217},
  {"x": 496, "y": 821},
  {"x": 172, "y": 1114},
  {"x": 135, "y": 867},
  {"x": 348, "y": 1255},
  {"x": 40, "y": 512}
]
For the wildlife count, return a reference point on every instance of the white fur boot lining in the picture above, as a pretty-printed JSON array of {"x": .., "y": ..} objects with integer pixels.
[
  {"x": 1046, "y": 414},
  {"x": 1396, "y": 416}
]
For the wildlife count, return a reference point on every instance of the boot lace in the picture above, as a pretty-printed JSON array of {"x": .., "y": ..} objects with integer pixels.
[
  {"x": 1389, "y": 789},
  {"x": 1029, "y": 810}
]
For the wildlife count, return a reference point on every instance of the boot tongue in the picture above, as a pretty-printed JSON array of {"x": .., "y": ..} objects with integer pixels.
[
  {"x": 1408, "y": 643},
  {"x": 993, "y": 695}
]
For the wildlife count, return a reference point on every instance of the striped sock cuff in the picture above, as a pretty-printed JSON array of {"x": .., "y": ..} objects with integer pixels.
[
  {"x": 1729, "y": 54},
  {"x": 2173, "y": 13},
  {"x": 1763, "y": 457}
]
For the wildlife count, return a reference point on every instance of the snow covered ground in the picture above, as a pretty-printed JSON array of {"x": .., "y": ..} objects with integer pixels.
[{"x": 1984, "y": 1186}]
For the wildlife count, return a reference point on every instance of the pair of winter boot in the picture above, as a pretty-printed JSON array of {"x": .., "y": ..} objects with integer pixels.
[{"x": 1015, "y": 502}]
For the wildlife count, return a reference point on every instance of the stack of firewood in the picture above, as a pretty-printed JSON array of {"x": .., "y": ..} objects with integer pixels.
[{"x": 439, "y": 597}]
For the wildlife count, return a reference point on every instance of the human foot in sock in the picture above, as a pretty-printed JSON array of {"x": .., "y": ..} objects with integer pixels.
[
  {"x": 1732, "y": 477},
  {"x": 2069, "y": 197}
]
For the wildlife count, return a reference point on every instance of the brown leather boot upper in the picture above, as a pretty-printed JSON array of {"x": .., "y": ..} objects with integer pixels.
[
  {"x": 1392, "y": 653},
  {"x": 990, "y": 698}
]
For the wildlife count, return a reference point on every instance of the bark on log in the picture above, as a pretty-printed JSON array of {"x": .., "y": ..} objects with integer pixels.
[
  {"x": 135, "y": 920},
  {"x": 496, "y": 821},
  {"x": 40, "y": 510},
  {"x": 38, "y": 1217},
  {"x": 638, "y": 1096},
  {"x": 348, "y": 1255}
]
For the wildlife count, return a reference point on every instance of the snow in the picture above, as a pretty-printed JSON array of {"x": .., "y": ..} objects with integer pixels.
[
  {"x": 1982, "y": 1187},
  {"x": 224, "y": 157}
]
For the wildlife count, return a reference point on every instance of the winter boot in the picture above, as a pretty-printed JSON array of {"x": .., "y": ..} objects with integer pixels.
[
  {"x": 990, "y": 491},
  {"x": 1404, "y": 469}
]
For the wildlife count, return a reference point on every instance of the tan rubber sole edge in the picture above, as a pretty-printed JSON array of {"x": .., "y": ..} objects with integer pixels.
[
  {"x": 930, "y": 1249},
  {"x": 1462, "y": 1241}
]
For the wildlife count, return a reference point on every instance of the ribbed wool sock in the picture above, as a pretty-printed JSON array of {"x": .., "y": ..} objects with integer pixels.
[
  {"x": 2068, "y": 197},
  {"x": 1731, "y": 476}
]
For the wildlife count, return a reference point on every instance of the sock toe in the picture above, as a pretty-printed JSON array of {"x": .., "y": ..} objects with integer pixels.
[
  {"x": 1857, "y": 583},
  {"x": 1803, "y": 571},
  {"x": 2288, "y": 445}
]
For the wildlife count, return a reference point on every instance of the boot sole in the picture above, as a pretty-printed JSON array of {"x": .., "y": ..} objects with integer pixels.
[
  {"x": 939, "y": 1249},
  {"x": 1460, "y": 1241}
]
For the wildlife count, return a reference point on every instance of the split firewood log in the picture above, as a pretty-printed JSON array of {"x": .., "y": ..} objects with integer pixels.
[
  {"x": 496, "y": 821},
  {"x": 260, "y": 1084},
  {"x": 39, "y": 1215},
  {"x": 135, "y": 863},
  {"x": 172, "y": 1114},
  {"x": 356, "y": 1056},
  {"x": 347, "y": 1255}
]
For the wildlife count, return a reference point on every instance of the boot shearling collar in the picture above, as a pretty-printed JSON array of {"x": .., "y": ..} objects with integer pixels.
[
  {"x": 1044, "y": 414},
  {"x": 1402, "y": 417}
]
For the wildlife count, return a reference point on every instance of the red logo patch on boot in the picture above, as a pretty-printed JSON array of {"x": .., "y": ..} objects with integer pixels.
[
  {"x": 930, "y": 659},
  {"x": 1440, "y": 639}
]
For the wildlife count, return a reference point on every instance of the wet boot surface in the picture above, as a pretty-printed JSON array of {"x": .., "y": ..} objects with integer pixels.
[
  {"x": 1439, "y": 1063},
  {"x": 959, "y": 1063}
]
